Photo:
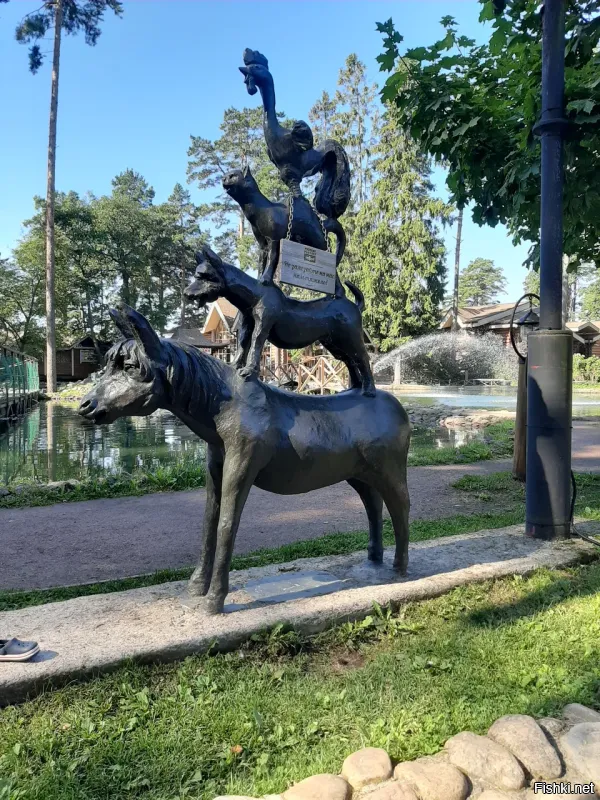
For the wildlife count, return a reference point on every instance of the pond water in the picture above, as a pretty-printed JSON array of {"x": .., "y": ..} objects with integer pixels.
[{"x": 53, "y": 443}]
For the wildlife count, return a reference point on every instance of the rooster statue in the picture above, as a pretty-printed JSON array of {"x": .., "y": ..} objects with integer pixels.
[{"x": 292, "y": 150}]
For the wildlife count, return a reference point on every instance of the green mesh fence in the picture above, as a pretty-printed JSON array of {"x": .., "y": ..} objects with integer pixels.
[{"x": 19, "y": 379}]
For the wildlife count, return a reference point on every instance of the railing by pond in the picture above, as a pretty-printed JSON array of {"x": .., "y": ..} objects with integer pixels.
[
  {"x": 19, "y": 382},
  {"x": 313, "y": 375}
]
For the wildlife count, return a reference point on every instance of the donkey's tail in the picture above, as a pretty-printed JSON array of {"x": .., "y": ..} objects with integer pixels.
[{"x": 358, "y": 295}]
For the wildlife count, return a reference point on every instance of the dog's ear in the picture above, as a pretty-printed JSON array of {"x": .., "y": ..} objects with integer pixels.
[{"x": 212, "y": 258}]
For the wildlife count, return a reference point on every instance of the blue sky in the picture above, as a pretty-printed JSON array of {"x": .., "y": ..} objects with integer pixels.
[{"x": 168, "y": 69}]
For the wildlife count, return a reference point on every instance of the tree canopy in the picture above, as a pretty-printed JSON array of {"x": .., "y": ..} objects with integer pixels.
[
  {"x": 480, "y": 283},
  {"x": 474, "y": 107}
]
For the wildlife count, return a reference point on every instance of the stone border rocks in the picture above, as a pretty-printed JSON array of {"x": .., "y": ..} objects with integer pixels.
[{"x": 517, "y": 759}]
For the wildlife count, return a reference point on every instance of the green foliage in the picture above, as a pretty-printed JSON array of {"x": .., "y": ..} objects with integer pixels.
[
  {"x": 590, "y": 301},
  {"x": 586, "y": 370},
  {"x": 117, "y": 246},
  {"x": 186, "y": 474},
  {"x": 240, "y": 144},
  {"x": 473, "y": 108},
  {"x": 480, "y": 283},
  {"x": 253, "y": 722},
  {"x": 396, "y": 254},
  {"x": 78, "y": 16}
]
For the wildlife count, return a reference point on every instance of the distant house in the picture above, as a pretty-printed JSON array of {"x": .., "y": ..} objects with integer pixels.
[
  {"x": 495, "y": 319},
  {"x": 78, "y": 361}
]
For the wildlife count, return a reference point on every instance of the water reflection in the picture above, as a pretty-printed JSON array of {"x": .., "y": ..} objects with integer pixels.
[{"x": 53, "y": 443}]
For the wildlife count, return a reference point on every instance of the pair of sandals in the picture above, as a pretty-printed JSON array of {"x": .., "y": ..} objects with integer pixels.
[{"x": 16, "y": 650}]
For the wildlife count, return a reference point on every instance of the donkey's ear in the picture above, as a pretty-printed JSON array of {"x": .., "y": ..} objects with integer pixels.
[
  {"x": 209, "y": 255},
  {"x": 143, "y": 333},
  {"x": 246, "y": 171},
  {"x": 121, "y": 322}
]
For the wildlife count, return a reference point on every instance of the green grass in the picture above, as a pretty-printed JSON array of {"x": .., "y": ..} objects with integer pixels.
[
  {"x": 173, "y": 478},
  {"x": 498, "y": 443},
  {"x": 253, "y": 721},
  {"x": 331, "y": 544},
  {"x": 500, "y": 485}
]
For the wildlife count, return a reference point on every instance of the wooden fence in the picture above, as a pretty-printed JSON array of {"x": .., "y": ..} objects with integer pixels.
[
  {"x": 314, "y": 375},
  {"x": 19, "y": 382}
]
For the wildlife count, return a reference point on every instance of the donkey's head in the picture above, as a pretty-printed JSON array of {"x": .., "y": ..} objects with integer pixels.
[{"x": 133, "y": 383}]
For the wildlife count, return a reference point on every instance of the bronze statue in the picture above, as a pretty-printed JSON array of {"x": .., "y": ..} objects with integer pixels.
[
  {"x": 268, "y": 314},
  {"x": 270, "y": 222},
  {"x": 292, "y": 150},
  {"x": 257, "y": 435}
]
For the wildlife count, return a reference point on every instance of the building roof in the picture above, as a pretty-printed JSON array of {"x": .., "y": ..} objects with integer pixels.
[
  {"x": 477, "y": 316},
  {"x": 220, "y": 311},
  {"x": 193, "y": 337}
]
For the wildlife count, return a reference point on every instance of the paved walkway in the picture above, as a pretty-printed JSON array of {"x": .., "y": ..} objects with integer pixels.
[{"x": 97, "y": 540}]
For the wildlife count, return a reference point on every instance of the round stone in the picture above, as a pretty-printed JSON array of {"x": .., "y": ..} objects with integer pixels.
[
  {"x": 370, "y": 765},
  {"x": 433, "y": 779},
  {"x": 320, "y": 787},
  {"x": 553, "y": 727},
  {"x": 487, "y": 760},
  {"x": 581, "y": 750},
  {"x": 392, "y": 791},
  {"x": 526, "y": 740},
  {"x": 575, "y": 713}
]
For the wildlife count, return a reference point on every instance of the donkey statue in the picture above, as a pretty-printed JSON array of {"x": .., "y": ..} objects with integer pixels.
[{"x": 257, "y": 435}]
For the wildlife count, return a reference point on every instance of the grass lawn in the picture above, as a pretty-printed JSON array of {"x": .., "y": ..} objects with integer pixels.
[{"x": 253, "y": 721}]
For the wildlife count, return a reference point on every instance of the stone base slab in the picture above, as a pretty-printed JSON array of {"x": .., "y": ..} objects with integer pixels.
[{"x": 89, "y": 635}]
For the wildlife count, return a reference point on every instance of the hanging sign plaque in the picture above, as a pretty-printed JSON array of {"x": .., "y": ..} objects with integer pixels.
[{"x": 306, "y": 267}]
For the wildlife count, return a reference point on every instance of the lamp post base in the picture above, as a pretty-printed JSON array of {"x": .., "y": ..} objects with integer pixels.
[{"x": 549, "y": 399}]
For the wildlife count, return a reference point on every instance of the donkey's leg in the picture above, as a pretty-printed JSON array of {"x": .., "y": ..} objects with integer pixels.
[
  {"x": 200, "y": 580},
  {"x": 373, "y": 503},
  {"x": 390, "y": 481},
  {"x": 239, "y": 472},
  {"x": 394, "y": 490}
]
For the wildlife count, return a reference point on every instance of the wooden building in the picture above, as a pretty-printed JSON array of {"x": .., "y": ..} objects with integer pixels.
[
  {"x": 495, "y": 319},
  {"x": 78, "y": 361}
]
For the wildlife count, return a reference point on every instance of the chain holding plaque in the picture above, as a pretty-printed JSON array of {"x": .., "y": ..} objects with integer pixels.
[{"x": 304, "y": 266}]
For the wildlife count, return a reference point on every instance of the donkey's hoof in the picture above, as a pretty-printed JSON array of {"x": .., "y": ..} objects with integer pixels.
[
  {"x": 211, "y": 604},
  {"x": 376, "y": 556},
  {"x": 401, "y": 568}
]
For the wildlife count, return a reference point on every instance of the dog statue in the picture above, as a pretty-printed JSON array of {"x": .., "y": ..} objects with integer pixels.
[
  {"x": 269, "y": 222},
  {"x": 267, "y": 314}
]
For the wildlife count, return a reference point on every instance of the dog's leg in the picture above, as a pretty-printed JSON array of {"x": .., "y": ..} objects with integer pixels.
[
  {"x": 200, "y": 580},
  {"x": 244, "y": 340},
  {"x": 273, "y": 257},
  {"x": 239, "y": 471},
  {"x": 259, "y": 337}
]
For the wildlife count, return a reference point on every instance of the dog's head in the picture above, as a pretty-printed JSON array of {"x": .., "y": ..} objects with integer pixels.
[
  {"x": 209, "y": 281},
  {"x": 238, "y": 182}
]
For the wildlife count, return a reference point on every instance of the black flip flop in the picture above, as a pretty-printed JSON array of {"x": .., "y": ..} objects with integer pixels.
[{"x": 16, "y": 650}]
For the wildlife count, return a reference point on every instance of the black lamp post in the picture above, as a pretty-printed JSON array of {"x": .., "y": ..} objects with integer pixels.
[
  {"x": 550, "y": 350},
  {"x": 528, "y": 323}
]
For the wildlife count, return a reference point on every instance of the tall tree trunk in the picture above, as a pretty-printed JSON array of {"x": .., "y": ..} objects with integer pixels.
[
  {"x": 50, "y": 311},
  {"x": 456, "y": 271}
]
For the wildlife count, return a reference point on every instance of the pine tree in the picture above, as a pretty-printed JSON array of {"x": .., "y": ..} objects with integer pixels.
[
  {"x": 480, "y": 283},
  {"x": 72, "y": 16},
  {"x": 322, "y": 117},
  {"x": 396, "y": 254},
  {"x": 355, "y": 122}
]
